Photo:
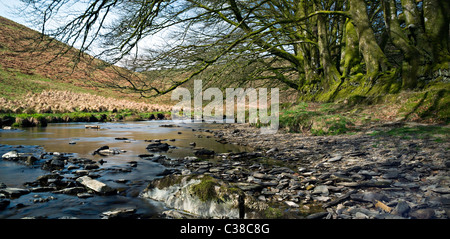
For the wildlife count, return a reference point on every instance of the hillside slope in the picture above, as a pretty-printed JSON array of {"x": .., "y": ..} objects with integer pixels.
[{"x": 32, "y": 64}]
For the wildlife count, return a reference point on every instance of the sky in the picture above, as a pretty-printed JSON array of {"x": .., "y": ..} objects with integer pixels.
[{"x": 8, "y": 9}]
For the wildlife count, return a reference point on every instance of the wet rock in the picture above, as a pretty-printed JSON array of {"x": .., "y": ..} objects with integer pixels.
[
  {"x": 95, "y": 185},
  {"x": 91, "y": 166},
  {"x": 14, "y": 192},
  {"x": 43, "y": 189},
  {"x": 203, "y": 196},
  {"x": 4, "y": 203},
  {"x": 177, "y": 214},
  {"x": 204, "y": 152},
  {"x": 106, "y": 152},
  {"x": 99, "y": 149},
  {"x": 81, "y": 172},
  {"x": 145, "y": 155},
  {"x": 168, "y": 125},
  {"x": 120, "y": 213},
  {"x": 10, "y": 155},
  {"x": 30, "y": 160},
  {"x": 71, "y": 190},
  {"x": 72, "y": 167},
  {"x": 158, "y": 146},
  {"x": 84, "y": 195}
]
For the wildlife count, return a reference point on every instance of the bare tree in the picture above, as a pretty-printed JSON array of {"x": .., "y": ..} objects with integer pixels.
[{"x": 315, "y": 47}]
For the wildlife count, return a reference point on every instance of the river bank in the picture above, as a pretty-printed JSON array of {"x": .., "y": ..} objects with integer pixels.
[
  {"x": 369, "y": 174},
  {"x": 10, "y": 120},
  {"x": 44, "y": 170},
  {"x": 372, "y": 174},
  {"x": 364, "y": 175}
]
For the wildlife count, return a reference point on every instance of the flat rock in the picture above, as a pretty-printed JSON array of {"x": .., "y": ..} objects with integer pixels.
[
  {"x": 335, "y": 159},
  {"x": 248, "y": 186},
  {"x": 158, "y": 146},
  {"x": 442, "y": 190},
  {"x": 204, "y": 152},
  {"x": 14, "y": 192},
  {"x": 10, "y": 154},
  {"x": 71, "y": 190},
  {"x": 292, "y": 204},
  {"x": 120, "y": 213},
  {"x": 85, "y": 195},
  {"x": 95, "y": 185},
  {"x": 321, "y": 189}
]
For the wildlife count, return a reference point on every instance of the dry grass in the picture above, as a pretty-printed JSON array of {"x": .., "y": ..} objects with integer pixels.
[{"x": 66, "y": 101}]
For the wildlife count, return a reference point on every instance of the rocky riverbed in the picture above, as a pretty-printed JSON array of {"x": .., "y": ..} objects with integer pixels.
[
  {"x": 286, "y": 175},
  {"x": 347, "y": 176},
  {"x": 65, "y": 186}
]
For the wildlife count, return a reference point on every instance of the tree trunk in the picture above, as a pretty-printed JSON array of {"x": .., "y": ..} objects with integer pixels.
[
  {"x": 374, "y": 57},
  {"x": 399, "y": 38},
  {"x": 350, "y": 55},
  {"x": 307, "y": 51},
  {"x": 436, "y": 23},
  {"x": 331, "y": 74}
]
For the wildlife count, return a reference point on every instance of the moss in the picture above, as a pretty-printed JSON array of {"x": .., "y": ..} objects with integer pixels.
[
  {"x": 166, "y": 181},
  {"x": 205, "y": 190},
  {"x": 273, "y": 213}
]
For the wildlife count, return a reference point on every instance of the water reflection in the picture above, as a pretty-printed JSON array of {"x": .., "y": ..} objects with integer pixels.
[{"x": 56, "y": 138}]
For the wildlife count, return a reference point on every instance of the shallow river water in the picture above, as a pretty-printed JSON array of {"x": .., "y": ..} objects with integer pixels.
[{"x": 56, "y": 138}]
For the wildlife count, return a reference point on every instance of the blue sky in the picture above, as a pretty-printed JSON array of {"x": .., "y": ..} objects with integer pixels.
[{"x": 8, "y": 9}]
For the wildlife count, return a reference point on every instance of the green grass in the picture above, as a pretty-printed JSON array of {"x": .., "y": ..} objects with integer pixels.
[
  {"x": 22, "y": 120},
  {"x": 322, "y": 120},
  {"x": 437, "y": 133}
]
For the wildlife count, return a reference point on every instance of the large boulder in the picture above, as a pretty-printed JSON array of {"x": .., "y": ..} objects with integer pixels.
[{"x": 203, "y": 196}]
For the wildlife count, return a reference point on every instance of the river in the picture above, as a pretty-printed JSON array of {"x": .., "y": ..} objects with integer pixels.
[{"x": 75, "y": 140}]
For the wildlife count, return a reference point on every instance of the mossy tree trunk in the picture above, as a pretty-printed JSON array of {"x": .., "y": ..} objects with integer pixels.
[
  {"x": 400, "y": 39},
  {"x": 350, "y": 55},
  {"x": 374, "y": 58},
  {"x": 436, "y": 21},
  {"x": 330, "y": 72},
  {"x": 307, "y": 49}
]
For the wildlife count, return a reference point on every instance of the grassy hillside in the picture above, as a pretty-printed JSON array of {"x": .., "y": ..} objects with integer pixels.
[{"x": 32, "y": 64}]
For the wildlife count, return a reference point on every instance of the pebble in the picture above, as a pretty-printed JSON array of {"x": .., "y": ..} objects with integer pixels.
[{"x": 292, "y": 204}]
